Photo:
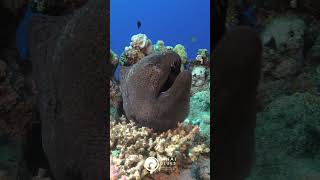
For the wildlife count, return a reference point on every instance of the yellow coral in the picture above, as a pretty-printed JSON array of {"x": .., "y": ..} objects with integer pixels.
[{"x": 181, "y": 51}]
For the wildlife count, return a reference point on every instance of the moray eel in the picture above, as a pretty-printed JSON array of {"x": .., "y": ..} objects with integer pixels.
[
  {"x": 155, "y": 93},
  {"x": 68, "y": 55},
  {"x": 237, "y": 66}
]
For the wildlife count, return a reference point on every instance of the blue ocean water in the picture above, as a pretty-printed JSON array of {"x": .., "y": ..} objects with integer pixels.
[
  {"x": 22, "y": 34},
  {"x": 173, "y": 21}
]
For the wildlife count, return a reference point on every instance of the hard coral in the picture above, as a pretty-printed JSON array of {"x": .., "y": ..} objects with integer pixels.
[
  {"x": 114, "y": 58},
  {"x": 140, "y": 46},
  {"x": 142, "y": 43},
  {"x": 136, "y": 144},
  {"x": 202, "y": 57},
  {"x": 115, "y": 95},
  {"x": 139, "y": 41},
  {"x": 199, "y": 76},
  {"x": 181, "y": 51},
  {"x": 131, "y": 56},
  {"x": 159, "y": 46}
]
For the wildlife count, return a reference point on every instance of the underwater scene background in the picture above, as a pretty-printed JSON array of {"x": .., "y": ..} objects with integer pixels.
[
  {"x": 175, "y": 22},
  {"x": 146, "y": 37},
  {"x": 287, "y": 124}
]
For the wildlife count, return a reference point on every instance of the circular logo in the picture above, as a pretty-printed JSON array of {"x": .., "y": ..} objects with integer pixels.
[{"x": 151, "y": 164}]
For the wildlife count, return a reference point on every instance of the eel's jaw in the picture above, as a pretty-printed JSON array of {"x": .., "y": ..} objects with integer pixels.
[
  {"x": 170, "y": 77},
  {"x": 181, "y": 85}
]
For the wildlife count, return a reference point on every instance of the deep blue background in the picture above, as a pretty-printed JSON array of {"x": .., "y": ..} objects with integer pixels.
[{"x": 173, "y": 21}]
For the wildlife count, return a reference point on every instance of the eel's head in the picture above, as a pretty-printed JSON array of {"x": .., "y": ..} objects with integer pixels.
[{"x": 155, "y": 93}]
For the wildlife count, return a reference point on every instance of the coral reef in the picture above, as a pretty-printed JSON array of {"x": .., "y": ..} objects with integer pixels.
[
  {"x": 39, "y": 6},
  {"x": 200, "y": 113},
  {"x": 287, "y": 129},
  {"x": 287, "y": 134},
  {"x": 201, "y": 169},
  {"x": 159, "y": 47},
  {"x": 131, "y": 56},
  {"x": 287, "y": 31},
  {"x": 232, "y": 15},
  {"x": 181, "y": 51},
  {"x": 115, "y": 94},
  {"x": 132, "y": 141},
  {"x": 287, "y": 72},
  {"x": 202, "y": 57},
  {"x": 169, "y": 48},
  {"x": 136, "y": 144},
  {"x": 140, "y": 46},
  {"x": 114, "y": 58},
  {"x": 200, "y": 76},
  {"x": 140, "y": 41}
]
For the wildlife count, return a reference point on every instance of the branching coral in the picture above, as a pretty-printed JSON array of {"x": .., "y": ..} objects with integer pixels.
[{"x": 136, "y": 144}]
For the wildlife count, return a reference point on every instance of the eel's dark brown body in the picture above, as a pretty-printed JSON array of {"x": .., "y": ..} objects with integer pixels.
[{"x": 236, "y": 67}]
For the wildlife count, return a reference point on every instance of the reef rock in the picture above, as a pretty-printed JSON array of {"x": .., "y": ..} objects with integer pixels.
[
  {"x": 199, "y": 76},
  {"x": 155, "y": 93}
]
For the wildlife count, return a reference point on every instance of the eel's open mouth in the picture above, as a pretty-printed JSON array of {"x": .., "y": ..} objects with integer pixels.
[{"x": 174, "y": 72}]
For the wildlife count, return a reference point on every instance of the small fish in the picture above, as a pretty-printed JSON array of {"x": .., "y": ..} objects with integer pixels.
[
  {"x": 138, "y": 24},
  {"x": 193, "y": 39}
]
